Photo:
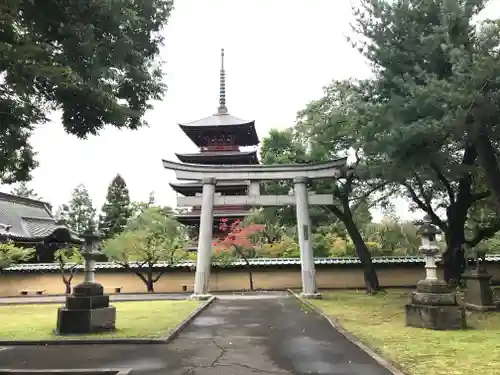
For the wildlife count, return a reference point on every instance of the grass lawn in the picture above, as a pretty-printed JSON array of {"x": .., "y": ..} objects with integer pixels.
[
  {"x": 145, "y": 319},
  {"x": 379, "y": 321}
]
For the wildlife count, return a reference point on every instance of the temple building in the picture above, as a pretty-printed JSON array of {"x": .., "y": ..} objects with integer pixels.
[
  {"x": 29, "y": 222},
  {"x": 219, "y": 138}
]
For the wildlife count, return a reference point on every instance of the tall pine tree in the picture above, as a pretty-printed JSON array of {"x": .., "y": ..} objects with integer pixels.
[
  {"x": 78, "y": 214},
  {"x": 116, "y": 210}
]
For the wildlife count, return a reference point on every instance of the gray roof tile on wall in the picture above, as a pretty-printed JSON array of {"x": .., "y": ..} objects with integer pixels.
[{"x": 37, "y": 267}]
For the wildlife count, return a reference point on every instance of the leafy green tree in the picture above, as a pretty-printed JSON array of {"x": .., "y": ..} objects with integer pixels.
[
  {"x": 150, "y": 237},
  {"x": 362, "y": 214},
  {"x": 272, "y": 230},
  {"x": 329, "y": 126},
  {"x": 68, "y": 259},
  {"x": 394, "y": 238},
  {"x": 116, "y": 210},
  {"x": 414, "y": 117},
  {"x": 93, "y": 61},
  {"x": 11, "y": 254},
  {"x": 79, "y": 214},
  {"x": 139, "y": 207},
  {"x": 322, "y": 132},
  {"x": 23, "y": 190},
  {"x": 493, "y": 244},
  {"x": 281, "y": 147}
]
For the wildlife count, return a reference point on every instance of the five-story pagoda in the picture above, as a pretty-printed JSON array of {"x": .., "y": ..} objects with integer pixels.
[{"x": 219, "y": 138}]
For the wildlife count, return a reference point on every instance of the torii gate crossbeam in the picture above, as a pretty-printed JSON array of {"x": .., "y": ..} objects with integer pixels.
[{"x": 299, "y": 173}]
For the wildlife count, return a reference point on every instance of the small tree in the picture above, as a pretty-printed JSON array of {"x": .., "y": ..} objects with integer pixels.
[
  {"x": 79, "y": 213},
  {"x": 116, "y": 210},
  {"x": 68, "y": 259},
  {"x": 23, "y": 190},
  {"x": 149, "y": 238},
  {"x": 240, "y": 241},
  {"x": 11, "y": 254}
]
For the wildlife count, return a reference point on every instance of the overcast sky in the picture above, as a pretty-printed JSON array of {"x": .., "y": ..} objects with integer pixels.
[{"x": 279, "y": 55}]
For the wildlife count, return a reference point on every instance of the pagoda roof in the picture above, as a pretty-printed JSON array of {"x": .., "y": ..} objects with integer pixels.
[
  {"x": 218, "y": 120},
  {"x": 220, "y": 157},
  {"x": 191, "y": 188},
  {"x": 242, "y": 131},
  {"x": 201, "y": 132}
]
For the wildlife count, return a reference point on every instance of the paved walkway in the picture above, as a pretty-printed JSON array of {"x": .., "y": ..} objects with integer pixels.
[
  {"x": 113, "y": 297},
  {"x": 237, "y": 335}
]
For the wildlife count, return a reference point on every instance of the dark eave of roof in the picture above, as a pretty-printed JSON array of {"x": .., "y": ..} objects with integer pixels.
[
  {"x": 217, "y": 214},
  {"x": 257, "y": 262},
  {"x": 192, "y": 189},
  {"x": 220, "y": 157},
  {"x": 243, "y": 131},
  {"x": 194, "y": 217},
  {"x": 200, "y": 185}
]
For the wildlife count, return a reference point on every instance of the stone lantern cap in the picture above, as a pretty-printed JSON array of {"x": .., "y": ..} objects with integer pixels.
[
  {"x": 91, "y": 250},
  {"x": 427, "y": 228}
]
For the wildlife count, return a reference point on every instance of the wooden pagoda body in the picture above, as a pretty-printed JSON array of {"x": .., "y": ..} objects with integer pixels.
[{"x": 220, "y": 139}]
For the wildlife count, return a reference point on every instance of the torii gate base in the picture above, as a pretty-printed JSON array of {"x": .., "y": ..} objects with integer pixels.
[{"x": 254, "y": 174}]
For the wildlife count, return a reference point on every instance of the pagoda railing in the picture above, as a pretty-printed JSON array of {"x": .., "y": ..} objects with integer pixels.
[{"x": 197, "y": 209}]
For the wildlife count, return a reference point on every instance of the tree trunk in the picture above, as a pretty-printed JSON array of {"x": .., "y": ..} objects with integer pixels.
[
  {"x": 456, "y": 214},
  {"x": 488, "y": 162},
  {"x": 67, "y": 282},
  {"x": 371, "y": 279},
  {"x": 242, "y": 255},
  {"x": 68, "y": 287},
  {"x": 250, "y": 275},
  {"x": 454, "y": 256},
  {"x": 150, "y": 282},
  {"x": 146, "y": 280}
]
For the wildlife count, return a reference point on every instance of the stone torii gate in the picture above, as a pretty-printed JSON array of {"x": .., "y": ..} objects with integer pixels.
[{"x": 208, "y": 175}]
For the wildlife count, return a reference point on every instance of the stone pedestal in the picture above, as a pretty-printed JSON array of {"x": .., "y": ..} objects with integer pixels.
[
  {"x": 87, "y": 310},
  {"x": 311, "y": 296},
  {"x": 200, "y": 297},
  {"x": 434, "y": 306},
  {"x": 478, "y": 295}
]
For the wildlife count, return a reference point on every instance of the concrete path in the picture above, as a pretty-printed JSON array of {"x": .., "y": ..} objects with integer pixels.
[
  {"x": 113, "y": 297},
  {"x": 237, "y": 335}
]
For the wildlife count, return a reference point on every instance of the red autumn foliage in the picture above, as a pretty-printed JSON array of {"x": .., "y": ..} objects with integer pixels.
[{"x": 237, "y": 235}]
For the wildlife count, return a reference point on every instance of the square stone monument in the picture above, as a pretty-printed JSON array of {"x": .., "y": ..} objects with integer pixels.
[
  {"x": 434, "y": 305},
  {"x": 87, "y": 309},
  {"x": 478, "y": 294}
]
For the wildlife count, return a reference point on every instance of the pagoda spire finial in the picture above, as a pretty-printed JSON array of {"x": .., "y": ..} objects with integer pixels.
[{"x": 222, "y": 93}]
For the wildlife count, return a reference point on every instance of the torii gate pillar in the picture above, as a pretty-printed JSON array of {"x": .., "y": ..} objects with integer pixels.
[
  {"x": 308, "y": 272},
  {"x": 204, "y": 254}
]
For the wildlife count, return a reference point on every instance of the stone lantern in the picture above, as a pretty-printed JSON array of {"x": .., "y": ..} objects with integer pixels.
[
  {"x": 478, "y": 294},
  {"x": 429, "y": 247},
  {"x": 91, "y": 253},
  {"x": 87, "y": 309},
  {"x": 433, "y": 305}
]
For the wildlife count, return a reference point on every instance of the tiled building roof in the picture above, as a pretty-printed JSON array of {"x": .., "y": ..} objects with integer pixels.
[
  {"x": 27, "y": 219},
  {"x": 262, "y": 262}
]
